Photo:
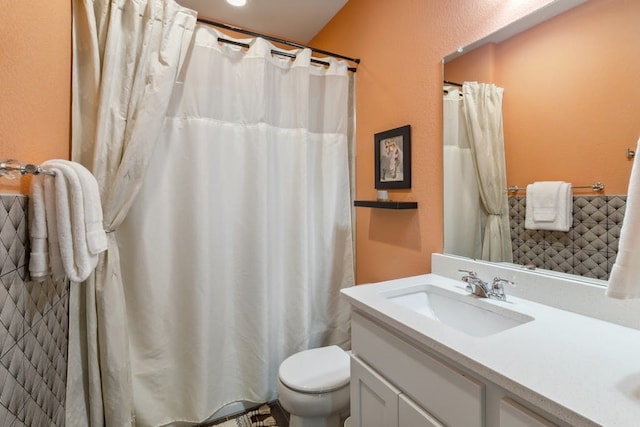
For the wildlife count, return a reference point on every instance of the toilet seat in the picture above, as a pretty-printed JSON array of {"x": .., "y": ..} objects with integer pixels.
[{"x": 319, "y": 370}]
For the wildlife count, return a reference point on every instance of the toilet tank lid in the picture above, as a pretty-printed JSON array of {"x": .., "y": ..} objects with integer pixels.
[{"x": 317, "y": 370}]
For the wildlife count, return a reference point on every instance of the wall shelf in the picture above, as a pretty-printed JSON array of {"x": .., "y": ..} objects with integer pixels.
[{"x": 385, "y": 205}]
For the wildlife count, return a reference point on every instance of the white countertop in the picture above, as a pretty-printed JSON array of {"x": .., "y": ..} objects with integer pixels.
[{"x": 583, "y": 370}]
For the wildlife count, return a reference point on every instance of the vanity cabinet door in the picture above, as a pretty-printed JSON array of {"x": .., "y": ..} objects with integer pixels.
[
  {"x": 455, "y": 398},
  {"x": 515, "y": 415},
  {"x": 411, "y": 415},
  {"x": 374, "y": 401}
]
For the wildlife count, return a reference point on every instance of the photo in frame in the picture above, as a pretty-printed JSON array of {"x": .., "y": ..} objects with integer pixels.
[{"x": 392, "y": 153}]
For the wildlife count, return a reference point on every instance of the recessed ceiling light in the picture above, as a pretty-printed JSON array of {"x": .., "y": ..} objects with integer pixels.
[{"x": 237, "y": 3}]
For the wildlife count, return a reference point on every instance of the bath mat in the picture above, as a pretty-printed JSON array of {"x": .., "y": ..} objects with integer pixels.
[
  {"x": 246, "y": 419},
  {"x": 241, "y": 421}
]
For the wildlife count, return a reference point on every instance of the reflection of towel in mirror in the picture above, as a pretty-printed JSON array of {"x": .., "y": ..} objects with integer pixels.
[
  {"x": 549, "y": 206},
  {"x": 624, "y": 281}
]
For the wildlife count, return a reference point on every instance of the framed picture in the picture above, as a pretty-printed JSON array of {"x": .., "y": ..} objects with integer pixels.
[{"x": 392, "y": 150}]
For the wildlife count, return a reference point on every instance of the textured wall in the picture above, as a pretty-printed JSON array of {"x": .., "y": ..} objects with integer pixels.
[
  {"x": 588, "y": 249},
  {"x": 560, "y": 120},
  {"x": 35, "y": 76},
  {"x": 34, "y": 126},
  {"x": 401, "y": 44},
  {"x": 33, "y": 330}
]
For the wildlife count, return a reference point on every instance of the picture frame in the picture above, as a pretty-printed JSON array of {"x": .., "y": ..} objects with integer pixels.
[{"x": 392, "y": 156}]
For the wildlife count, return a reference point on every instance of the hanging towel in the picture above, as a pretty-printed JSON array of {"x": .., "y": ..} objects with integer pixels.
[
  {"x": 94, "y": 229},
  {"x": 55, "y": 261},
  {"x": 549, "y": 206},
  {"x": 624, "y": 281},
  {"x": 72, "y": 220},
  {"x": 39, "y": 257}
]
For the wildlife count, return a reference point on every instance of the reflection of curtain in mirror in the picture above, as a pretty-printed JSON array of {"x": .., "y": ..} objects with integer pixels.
[
  {"x": 463, "y": 212},
  {"x": 483, "y": 117}
]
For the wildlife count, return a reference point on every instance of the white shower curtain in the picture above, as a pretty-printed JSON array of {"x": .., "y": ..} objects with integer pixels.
[
  {"x": 126, "y": 55},
  {"x": 464, "y": 214},
  {"x": 240, "y": 240},
  {"x": 483, "y": 115}
]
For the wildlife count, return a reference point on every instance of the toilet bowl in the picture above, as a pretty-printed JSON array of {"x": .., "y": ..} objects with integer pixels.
[{"x": 313, "y": 386}]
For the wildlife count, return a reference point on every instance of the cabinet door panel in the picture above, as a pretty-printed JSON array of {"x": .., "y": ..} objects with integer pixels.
[
  {"x": 447, "y": 393},
  {"x": 374, "y": 402},
  {"x": 411, "y": 415},
  {"x": 515, "y": 415}
]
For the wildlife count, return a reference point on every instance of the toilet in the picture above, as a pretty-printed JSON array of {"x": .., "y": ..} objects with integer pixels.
[{"x": 313, "y": 386}]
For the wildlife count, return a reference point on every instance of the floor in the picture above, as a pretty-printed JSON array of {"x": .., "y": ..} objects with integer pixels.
[{"x": 281, "y": 416}]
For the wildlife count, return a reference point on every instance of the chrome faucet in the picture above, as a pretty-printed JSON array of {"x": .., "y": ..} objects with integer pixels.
[
  {"x": 475, "y": 285},
  {"x": 482, "y": 289},
  {"x": 497, "y": 288}
]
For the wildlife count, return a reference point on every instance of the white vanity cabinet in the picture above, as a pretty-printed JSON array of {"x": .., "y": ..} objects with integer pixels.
[
  {"x": 390, "y": 373},
  {"x": 377, "y": 399},
  {"x": 515, "y": 415},
  {"x": 411, "y": 415},
  {"x": 380, "y": 404},
  {"x": 419, "y": 363},
  {"x": 395, "y": 383}
]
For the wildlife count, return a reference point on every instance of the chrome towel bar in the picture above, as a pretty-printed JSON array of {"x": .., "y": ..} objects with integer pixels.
[{"x": 598, "y": 186}]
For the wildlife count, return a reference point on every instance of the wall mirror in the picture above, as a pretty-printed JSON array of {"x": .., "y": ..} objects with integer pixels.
[{"x": 570, "y": 113}]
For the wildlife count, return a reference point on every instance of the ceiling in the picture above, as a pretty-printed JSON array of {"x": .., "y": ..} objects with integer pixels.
[{"x": 294, "y": 20}]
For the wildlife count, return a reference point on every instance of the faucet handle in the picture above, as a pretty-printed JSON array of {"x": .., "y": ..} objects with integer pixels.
[
  {"x": 470, "y": 277},
  {"x": 500, "y": 281},
  {"x": 471, "y": 274},
  {"x": 497, "y": 288},
  {"x": 472, "y": 280}
]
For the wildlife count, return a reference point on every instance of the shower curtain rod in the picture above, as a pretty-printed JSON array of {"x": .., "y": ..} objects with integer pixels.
[{"x": 277, "y": 40}]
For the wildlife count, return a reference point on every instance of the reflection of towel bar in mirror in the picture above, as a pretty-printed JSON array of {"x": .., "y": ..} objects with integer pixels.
[{"x": 598, "y": 186}]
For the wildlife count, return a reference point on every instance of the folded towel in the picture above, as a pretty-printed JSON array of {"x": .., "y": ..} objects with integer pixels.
[
  {"x": 67, "y": 220},
  {"x": 94, "y": 229},
  {"x": 549, "y": 206},
  {"x": 55, "y": 260},
  {"x": 78, "y": 262},
  {"x": 624, "y": 281},
  {"x": 39, "y": 257},
  {"x": 544, "y": 200}
]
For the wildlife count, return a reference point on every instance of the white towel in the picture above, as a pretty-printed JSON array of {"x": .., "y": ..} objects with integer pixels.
[
  {"x": 39, "y": 257},
  {"x": 549, "y": 206},
  {"x": 55, "y": 260},
  {"x": 544, "y": 200},
  {"x": 96, "y": 236},
  {"x": 68, "y": 209},
  {"x": 78, "y": 262},
  {"x": 624, "y": 281}
]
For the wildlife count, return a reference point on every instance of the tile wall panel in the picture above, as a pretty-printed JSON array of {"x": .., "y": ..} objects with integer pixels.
[
  {"x": 33, "y": 330},
  {"x": 589, "y": 248}
]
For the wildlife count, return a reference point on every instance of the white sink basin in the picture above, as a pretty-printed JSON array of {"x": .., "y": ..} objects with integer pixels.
[{"x": 466, "y": 313}]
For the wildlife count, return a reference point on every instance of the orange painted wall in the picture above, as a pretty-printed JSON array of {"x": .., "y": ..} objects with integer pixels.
[
  {"x": 476, "y": 65},
  {"x": 581, "y": 62},
  {"x": 581, "y": 135},
  {"x": 35, "y": 76},
  {"x": 401, "y": 44}
]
